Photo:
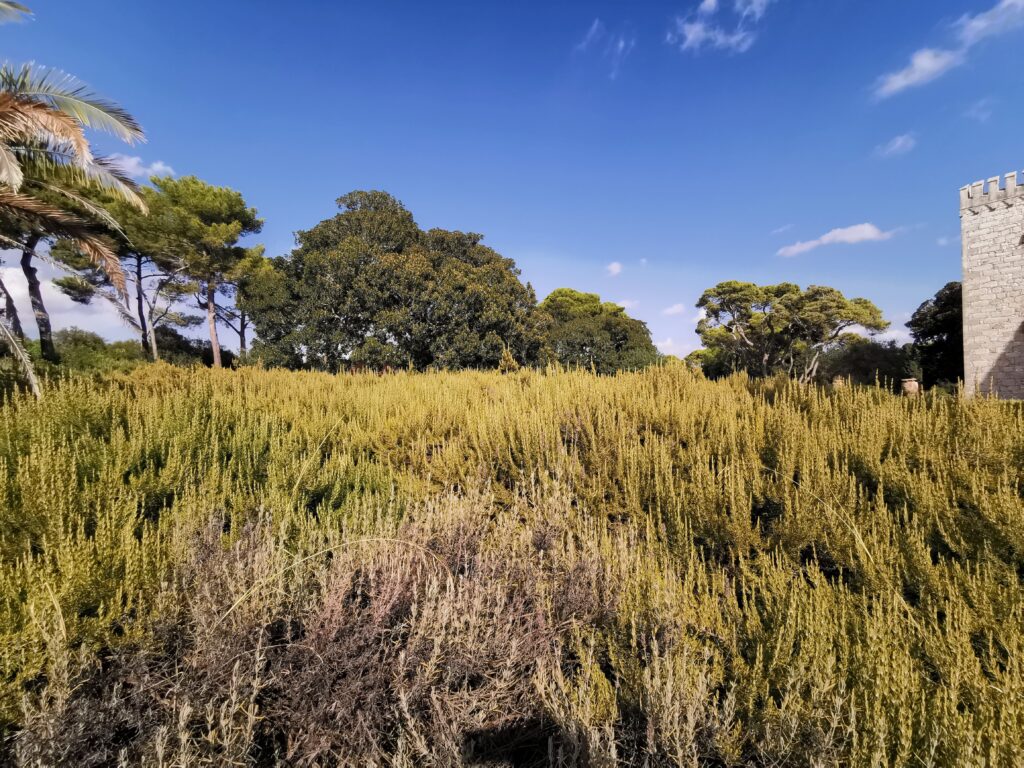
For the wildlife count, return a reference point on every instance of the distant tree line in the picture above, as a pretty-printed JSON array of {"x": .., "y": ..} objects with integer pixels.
[
  {"x": 368, "y": 288},
  {"x": 819, "y": 334},
  {"x": 364, "y": 289}
]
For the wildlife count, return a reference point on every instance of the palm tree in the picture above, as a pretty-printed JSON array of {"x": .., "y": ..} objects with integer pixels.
[
  {"x": 45, "y": 160},
  {"x": 12, "y": 11}
]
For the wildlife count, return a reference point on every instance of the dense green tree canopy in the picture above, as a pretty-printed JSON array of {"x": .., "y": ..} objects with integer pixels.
[
  {"x": 197, "y": 227},
  {"x": 185, "y": 244},
  {"x": 584, "y": 331},
  {"x": 777, "y": 328},
  {"x": 938, "y": 330},
  {"x": 866, "y": 361},
  {"x": 369, "y": 288}
]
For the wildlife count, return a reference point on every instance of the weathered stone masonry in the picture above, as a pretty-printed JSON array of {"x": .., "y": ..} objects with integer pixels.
[{"x": 992, "y": 225}]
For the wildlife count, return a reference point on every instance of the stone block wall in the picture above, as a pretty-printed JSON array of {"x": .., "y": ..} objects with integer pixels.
[{"x": 992, "y": 226}]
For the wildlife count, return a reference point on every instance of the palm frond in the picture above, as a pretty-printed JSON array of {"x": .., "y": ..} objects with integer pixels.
[
  {"x": 98, "y": 211},
  {"x": 26, "y": 121},
  {"x": 10, "y": 169},
  {"x": 59, "y": 223},
  {"x": 11, "y": 11},
  {"x": 21, "y": 355},
  {"x": 70, "y": 96},
  {"x": 56, "y": 164}
]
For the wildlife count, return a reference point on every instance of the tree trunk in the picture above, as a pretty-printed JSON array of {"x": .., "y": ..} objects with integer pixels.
[
  {"x": 35, "y": 295},
  {"x": 211, "y": 319},
  {"x": 243, "y": 323},
  {"x": 140, "y": 304},
  {"x": 811, "y": 369},
  {"x": 11, "y": 313},
  {"x": 148, "y": 331}
]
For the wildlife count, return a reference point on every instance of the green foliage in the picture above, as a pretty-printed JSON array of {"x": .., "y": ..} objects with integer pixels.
[
  {"x": 181, "y": 350},
  {"x": 865, "y": 361},
  {"x": 45, "y": 163},
  {"x": 84, "y": 352},
  {"x": 771, "y": 329},
  {"x": 583, "y": 331},
  {"x": 198, "y": 225},
  {"x": 369, "y": 288},
  {"x": 938, "y": 330},
  {"x": 250, "y": 567}
]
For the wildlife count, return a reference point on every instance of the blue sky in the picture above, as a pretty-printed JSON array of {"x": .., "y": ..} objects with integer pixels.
[{"x": 644, "y": 151}]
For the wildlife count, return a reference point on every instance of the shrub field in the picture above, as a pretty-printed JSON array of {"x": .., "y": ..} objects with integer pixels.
[{"x": 540, "y": 568}]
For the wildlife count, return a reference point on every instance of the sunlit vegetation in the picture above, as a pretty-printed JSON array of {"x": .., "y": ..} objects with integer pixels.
[{"x": 202, "y": 567}]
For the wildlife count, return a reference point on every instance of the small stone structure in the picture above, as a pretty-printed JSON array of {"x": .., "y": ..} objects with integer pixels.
[{"x": 992, "y": 226}]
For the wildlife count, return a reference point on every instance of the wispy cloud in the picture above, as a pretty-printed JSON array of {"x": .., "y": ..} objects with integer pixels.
[
  {"x": 594, "y": 33},
  {"x": 942, "y": 242},
  {"x": 858, "y": 233},
  {"x": 614, "y": 269},
  {"x": 753, "y": 9},
  {"x": 675, "y": 309},
  {"x": 137, "y": 169},
  {"x": 614, "y": 47},
  {"x": 627, "y": 303},
  {"x": 981, "y": 110},
  {"x": 900, "y": 145},
  {"x": 925, "y": 65},
  {"x": 704, "y": 27},
  {"x": 782, "y": 229},
  {"x": 618, "y": 51},
  {"x": 1004, "y": 17},
  {"x": 928, "y": 64}
]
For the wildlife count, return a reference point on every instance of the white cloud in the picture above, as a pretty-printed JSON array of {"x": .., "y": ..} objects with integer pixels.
[
  {"x": 752, "y": 8},
  {"x": 701, "y": 315},
  {"x": 858, "y": 233},
  {"x": 670, "y": 346},
  {"x": 99, "y": 316},
  {"x": 594, "y": 33},
  {"x": 675, "y": 309},
  {"x": 698, "y": 29},
  {"x": 694, "y": 34},
  {"x": 614, "y": 269},
  {"x": 627, "y": 303},
  {"x": 783, "y": 228},
  {"x": 899, "y": 145},
  {"x": 897, "y": 333},
  {"x": 981, "y": 110},
  {"x": 942, "y": 242},
  {"x": 1005, "y": 16},
  {"x": 616, "y": 48},
  {"x": 666, "y": 346},
  {"x": 134, "y": 167},
  {"x": 927, "y": 64}
]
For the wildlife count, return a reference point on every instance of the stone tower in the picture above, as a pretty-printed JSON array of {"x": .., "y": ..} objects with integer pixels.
[{"x": 992, "y": 225}]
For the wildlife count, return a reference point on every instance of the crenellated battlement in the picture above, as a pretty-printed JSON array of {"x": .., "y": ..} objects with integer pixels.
[
  {"x": 988, "y": 193},
  {"x": 992, "y": 225}
]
